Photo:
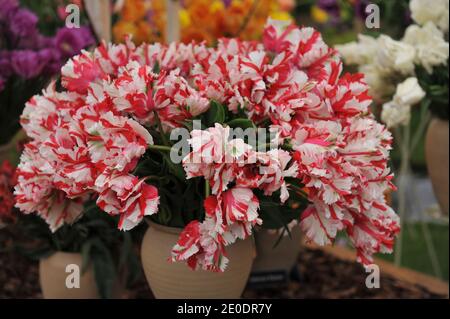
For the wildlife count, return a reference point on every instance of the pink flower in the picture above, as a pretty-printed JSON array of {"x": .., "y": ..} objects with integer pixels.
[
  {"x": 214, "y": 156},
  {"x": 268, "y": 173},
  {"x": 229, "y": 216},
  {"x": 374, "y": 231},
  {"x": 199, "y": 249},
  {"x": 114, "y": 142},
  {"x": 127, "y": 196},
  {"x": 80, "y": 72},
  {"x": 176, "y": 101},
  {"x": 35, "y": 191}
]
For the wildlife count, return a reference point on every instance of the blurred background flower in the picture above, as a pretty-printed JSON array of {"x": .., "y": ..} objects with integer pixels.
[
  {"x": 201, "y": 20},
  {"x": 29, "y": 56}
]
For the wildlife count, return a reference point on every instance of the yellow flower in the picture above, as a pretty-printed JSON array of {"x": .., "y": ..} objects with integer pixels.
[
  {"x": 185, "y": 18},
  {"x": 280, "y": 15},
  {"x": 319, "y": 15},
  {"x": 217, "y": 6}
]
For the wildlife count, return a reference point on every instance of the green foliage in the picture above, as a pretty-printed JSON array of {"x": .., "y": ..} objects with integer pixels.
[
  {"x": 435, "y": 85},
  {"x": 277, "y": 216},
  {"x": 215, "y": 114},
  {"x": 181, "y": 200},
  {"x": 241, "y": 123}
]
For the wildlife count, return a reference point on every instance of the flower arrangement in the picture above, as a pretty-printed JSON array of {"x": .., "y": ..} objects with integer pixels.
[
  {"x": 165, "y": 132},
  {"x": 408, "y": 71},
  {"x": 201, "y": 20},
  {"x": 28, "y": 59}
]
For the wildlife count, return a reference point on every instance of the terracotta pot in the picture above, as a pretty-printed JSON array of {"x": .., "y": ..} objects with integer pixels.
[
  {"x": 436, "y": 152},
  {"x": 273, "y": 264},
  {"x": 177, "y": 281},
  {"x": 53, "y": 275}
]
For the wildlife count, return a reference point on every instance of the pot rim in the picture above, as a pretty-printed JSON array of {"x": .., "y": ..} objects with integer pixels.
[
  {"x": 66, "y": 253},
  {"x": 166, "y": 229}
]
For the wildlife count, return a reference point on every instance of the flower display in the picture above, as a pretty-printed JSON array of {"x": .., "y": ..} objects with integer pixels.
[
  {"x": 402, "y": 73},
  {"x": 28, "y": 59},
  {"x": 143, "y": 19},
  {"x": 422, "y": 13},
  {"x": 108, "y": 136},
  {"x": 201, "y": 20}
]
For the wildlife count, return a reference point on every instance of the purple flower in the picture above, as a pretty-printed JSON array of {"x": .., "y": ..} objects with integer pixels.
[
  {"x": 360, "y": 8},
  {"x": 54, "y": 61},
  {"x": 70, "y": 42},
  {"x": 23, "y": 23},
  {"x": 7, "y": 7},
  {"x": 227, "y": 2},
  {"x": 332, "y": 8},
  {"x": 28, "y": 64}
]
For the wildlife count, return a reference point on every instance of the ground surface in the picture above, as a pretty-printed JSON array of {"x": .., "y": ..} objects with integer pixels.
[{"x": 322, "y": 276}]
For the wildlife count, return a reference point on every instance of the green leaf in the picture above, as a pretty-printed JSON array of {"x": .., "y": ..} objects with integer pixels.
[
  {"x": 104, "y": 268},
  {"x": 242, "y": 123},
  {"x": 156, "y": 68},
  {"x": 86, "y": 255},
  {"x": 176, "y": 169},
  {"x": 275, "y": 215},
  {"x": 215, "y": 114}
]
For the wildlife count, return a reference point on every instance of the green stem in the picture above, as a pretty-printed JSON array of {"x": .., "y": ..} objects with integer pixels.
[
  {"x": 161, "y": 148},
  {"x": 161, "y": 131},
  {"x": 404, "y": 170},
  {"x": 207, "y": 189}
]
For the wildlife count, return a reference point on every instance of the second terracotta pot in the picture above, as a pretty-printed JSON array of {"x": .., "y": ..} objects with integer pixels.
[
  {"x": 437, "y": 155},
  {"x": 177, "y": 281},
  {"x": 274, "y": 264},
  {"x": 53, "y": 276},
  {"x": 56, "y": 283}
]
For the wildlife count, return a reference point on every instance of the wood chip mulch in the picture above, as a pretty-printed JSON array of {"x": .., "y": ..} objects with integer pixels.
[{"x": 321, "y": 276}]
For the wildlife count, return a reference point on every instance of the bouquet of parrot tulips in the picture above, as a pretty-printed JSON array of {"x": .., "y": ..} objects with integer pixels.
[{"x": 217, "y": 141}]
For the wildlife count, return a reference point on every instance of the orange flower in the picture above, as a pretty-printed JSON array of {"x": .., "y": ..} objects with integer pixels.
[
  {"x": 286, "y": 5},
  {"x": 123, "y": 28},
  {"x": 134, "y": 10}
]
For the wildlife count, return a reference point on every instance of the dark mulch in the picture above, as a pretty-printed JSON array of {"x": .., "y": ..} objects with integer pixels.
[
  {"x": 326, "y": 276},
  {"x": 322, "y": 276},
  {"x": 19, "y": 277}
]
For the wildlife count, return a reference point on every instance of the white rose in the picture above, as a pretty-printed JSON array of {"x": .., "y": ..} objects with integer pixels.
[
  {"x": 436, "y": 11},
  {"x": 380, "y": 86},
  {"x": 431, "y": 48},
  {"x": 409, "y": 92},
  {"x": 395, "y": 55},
  {"x": 359, "y": 52},
  {"x": 394, "y": 114}
]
